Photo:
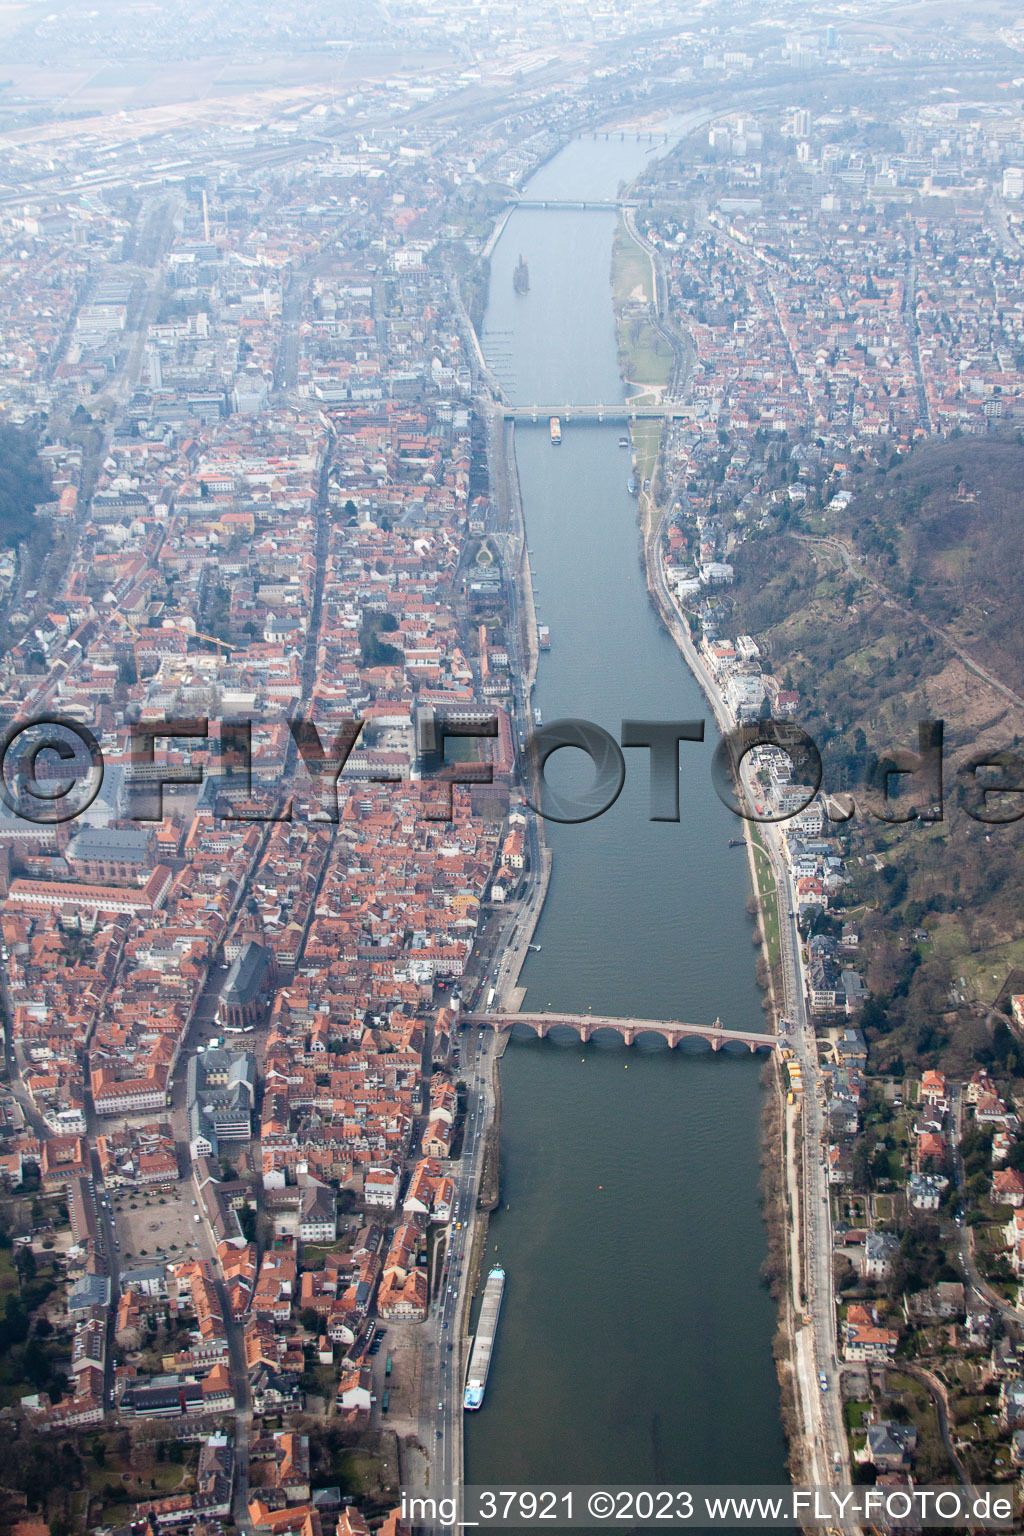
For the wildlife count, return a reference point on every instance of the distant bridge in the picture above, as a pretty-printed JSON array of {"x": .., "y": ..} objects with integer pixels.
[
  {"x": 587, "y": 204},
  {"x": 621, "y": 411},
  {"x": 586, "y": 1026}
]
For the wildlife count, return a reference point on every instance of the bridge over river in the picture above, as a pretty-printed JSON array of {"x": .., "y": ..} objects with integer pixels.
[
  {"x": 578, "y": 204},
  {"x": 586, "y": 1026},
  {"x": 662, "y": 410}
]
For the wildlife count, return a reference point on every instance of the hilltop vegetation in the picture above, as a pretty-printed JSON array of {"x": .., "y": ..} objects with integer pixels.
[{"x": 943, "y": 526}]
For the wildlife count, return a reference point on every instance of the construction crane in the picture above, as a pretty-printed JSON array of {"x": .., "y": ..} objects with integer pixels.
[{"x": 217, "y": 641}]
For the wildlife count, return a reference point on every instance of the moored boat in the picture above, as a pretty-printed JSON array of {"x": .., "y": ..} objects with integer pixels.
[{"x": 483, "y": 1344}]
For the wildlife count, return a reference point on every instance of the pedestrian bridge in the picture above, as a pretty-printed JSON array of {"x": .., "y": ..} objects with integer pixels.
[{"x": 586, "y": 1026}]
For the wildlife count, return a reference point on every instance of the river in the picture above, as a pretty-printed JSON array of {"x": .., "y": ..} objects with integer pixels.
[{"x": 635, "y": 1338}]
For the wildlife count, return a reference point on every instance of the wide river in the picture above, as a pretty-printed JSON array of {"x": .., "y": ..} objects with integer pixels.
[{"x": 635, "y": 1337}]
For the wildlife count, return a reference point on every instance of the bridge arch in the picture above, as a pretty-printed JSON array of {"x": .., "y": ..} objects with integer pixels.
[
  {"x": 607, "y": 1028},
  {"x": 657, "y": 1038},
  {"x": 536, "y": 1026}
]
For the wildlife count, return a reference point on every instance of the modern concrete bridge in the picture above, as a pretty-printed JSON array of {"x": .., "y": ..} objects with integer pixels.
[
  {"x": 588, "y": 204},
  {"x": 617, "y": 411},
  {"x": 587, "y": 1024}
]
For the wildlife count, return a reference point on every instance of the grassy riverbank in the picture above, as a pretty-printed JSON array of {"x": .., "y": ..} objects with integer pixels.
[
  {"x": 645, "y": 357},
  {"x": 632, "y": 278}
]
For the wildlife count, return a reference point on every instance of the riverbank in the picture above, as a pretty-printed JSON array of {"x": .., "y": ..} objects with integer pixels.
[{"x": 782, "y": 1133}]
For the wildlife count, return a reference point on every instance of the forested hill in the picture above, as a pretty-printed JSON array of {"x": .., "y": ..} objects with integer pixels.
[
  {"x": 24, "y": 483},
  {"x": 901, "y": 607},
  {"x": 943, "y": 528}
]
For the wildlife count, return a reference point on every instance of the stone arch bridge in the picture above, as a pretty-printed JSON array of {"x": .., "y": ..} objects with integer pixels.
[{"x": 586, "y": 1026}]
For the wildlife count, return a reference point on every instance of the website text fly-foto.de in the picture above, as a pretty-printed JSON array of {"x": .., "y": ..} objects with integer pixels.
[{"x": 51, "y": 769}]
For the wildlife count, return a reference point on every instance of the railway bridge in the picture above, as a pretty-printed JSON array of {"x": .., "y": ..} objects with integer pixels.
[{"x": 586, "y": 1026}]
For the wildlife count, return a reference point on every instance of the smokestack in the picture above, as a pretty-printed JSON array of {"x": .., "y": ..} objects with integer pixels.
[{"x": 206, "y": 217}]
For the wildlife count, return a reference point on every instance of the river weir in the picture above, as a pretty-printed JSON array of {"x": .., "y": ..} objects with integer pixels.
[{"x": 635, "y": 1338}]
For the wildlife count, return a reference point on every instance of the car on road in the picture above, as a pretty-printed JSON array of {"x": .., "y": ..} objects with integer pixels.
[{"x": 823, "y": 1381}]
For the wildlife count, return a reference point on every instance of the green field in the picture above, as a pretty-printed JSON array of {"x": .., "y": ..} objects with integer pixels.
[
  {"x": 646, "y": 436},
  {"x": 646, "y": 355},
  {"x": 631, "y": 270},
  {"x": 769, "y": 900}
]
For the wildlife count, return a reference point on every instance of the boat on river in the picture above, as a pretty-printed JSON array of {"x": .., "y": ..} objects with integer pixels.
[{"x": 483, "y": 1344}]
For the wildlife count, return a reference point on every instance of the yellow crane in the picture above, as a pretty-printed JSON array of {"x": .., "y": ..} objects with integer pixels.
[{"x": 217, "y": 641}]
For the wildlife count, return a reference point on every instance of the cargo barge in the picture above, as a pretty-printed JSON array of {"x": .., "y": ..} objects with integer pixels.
[{"x": 483, "y": 1344}]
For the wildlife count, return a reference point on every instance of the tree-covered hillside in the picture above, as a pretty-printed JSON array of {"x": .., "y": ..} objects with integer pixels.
[{"x": 900, "y": 608}]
